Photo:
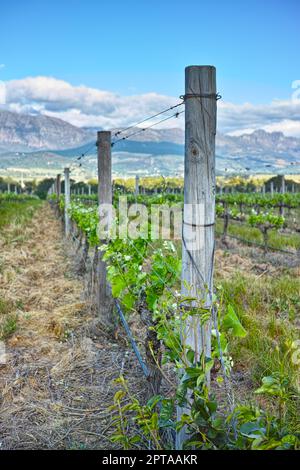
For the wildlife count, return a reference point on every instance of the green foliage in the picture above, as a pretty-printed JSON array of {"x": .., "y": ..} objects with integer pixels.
[
  {"x": 43, "y": 187},
  {"x": 260, "y": 200},
  {"x": 8, "y": 325},
  {"x": 266, "y": 221},
  {"x": 231, "y": 322},
  {"x": 18, "y": 209}
]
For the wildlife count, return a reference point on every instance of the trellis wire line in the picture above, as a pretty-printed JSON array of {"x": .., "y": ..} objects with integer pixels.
[
  {"x": 132, "y": 341},
  {"x": 85, "y": 153},
  {"x": 146, "y": 128},
  {"x": 260, "y": 245},
  {"x": 147, "y": 119}
]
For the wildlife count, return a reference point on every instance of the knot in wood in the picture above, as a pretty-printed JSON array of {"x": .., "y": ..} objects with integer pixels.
[{"x": 195, "y": 152}]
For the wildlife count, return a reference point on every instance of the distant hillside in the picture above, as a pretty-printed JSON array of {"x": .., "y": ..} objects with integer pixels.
[
  {"x": 21, "y": 132},
  {"x": 44, "y": 142}
]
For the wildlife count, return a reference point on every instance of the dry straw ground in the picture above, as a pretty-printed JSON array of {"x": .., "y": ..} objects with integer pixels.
[{"x": 58, "y": 381}]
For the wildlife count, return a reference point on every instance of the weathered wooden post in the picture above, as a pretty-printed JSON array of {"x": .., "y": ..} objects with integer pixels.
[
  {"x": 58, "y": 185},
  {"x": 67, "y": 201},
  {"x": 8, "y": 187},
  {"x": 89, "y": 189},
  {"x": 272, "y": 187},
  {"x": 199, "y": 209},
  {"x": 104, "y": 300}
]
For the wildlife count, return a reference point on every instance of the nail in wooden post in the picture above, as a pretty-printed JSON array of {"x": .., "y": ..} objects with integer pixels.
[
  {"x": 199, "y": 191},
  {"x": 67, "y": 201},
  {"x": 104, "y": 197}
]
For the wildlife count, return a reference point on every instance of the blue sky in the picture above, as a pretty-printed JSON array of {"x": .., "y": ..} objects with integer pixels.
[{"x": 139, "y": 47}]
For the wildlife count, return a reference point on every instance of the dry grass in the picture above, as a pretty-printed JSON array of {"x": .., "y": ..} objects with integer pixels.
[{"x": 57, "y": 383}]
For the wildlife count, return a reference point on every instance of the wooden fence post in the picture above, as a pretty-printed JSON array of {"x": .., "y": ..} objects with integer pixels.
[
  {"x": 89, "y": 189},
  {"x": 104, "y": 297},
  {"x": 199, "y": 194},
  {"x": 58, "y": 186},
  {"x": 8, "y": 187},
  {"x": 67, "y": 201},
  {"x": 272, "y": 187}
]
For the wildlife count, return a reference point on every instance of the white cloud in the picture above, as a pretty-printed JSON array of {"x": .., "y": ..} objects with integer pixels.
[
  {"x": 91, "y": 107},
  {"x": 278, "y": 115},
  {"x": 81, "y": 105}
]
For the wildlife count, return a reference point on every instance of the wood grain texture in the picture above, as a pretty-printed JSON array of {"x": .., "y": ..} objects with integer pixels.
[
  {"x": 199, "y": 207},
  {"x": 199, "y": 190},
  {"x": 104, "y": 297},
  {"x": 58, "y": 185}
]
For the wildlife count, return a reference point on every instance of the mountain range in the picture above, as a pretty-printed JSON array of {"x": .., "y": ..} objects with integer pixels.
[{"x": 46, "y": 143}]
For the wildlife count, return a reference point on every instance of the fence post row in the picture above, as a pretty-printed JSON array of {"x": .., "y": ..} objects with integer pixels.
[
  {"x": 58, "y": 186},
  {"x": 67, "y": 201},
  {"x": 199, "y": 191},
  {"x": 103, "y": 292}
]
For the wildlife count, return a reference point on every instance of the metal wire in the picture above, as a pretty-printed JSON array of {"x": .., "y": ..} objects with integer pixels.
[
  {"x": 131, "y": 339},
  {"x": 146, "y": 128},
  {"x": 147, "y": 119},
  {"x": 85, "y": 153},
  {"x": 260, "y": 245}
]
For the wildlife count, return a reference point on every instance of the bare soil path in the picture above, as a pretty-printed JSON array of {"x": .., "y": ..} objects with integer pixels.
[{"x": 57, "y": 382}]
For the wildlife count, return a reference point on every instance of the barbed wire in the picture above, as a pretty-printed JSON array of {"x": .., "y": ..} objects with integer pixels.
[
  {"x": 147, "y": 119},
  {"x": 176, "y": 115},
  {"x": 84, "y": 154}
]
